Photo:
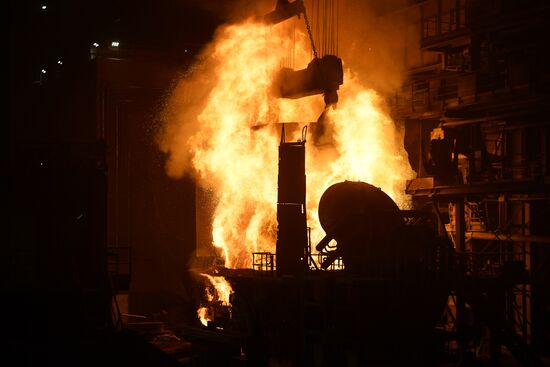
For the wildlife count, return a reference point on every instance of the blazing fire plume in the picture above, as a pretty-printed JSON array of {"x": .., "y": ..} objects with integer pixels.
[{"x": 223, "y": 126}]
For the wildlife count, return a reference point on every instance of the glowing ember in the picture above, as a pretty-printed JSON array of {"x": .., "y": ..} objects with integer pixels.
[
  {"x": 203, "y": 315},
  {"x": 221, "y": 295},
  {"x": 222, "y": 287},
  {"x": 222, "y": 119}
]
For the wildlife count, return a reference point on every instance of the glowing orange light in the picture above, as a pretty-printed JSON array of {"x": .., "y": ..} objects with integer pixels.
[
  {"x": 222, "y": 293},
  {"x": 228, "y": 130}
]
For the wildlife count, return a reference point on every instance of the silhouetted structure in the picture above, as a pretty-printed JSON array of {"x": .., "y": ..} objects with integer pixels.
[{"x": 475, "y": 109}]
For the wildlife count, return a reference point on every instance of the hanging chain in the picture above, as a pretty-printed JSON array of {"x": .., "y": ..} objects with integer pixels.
[{"x": 309, "y": 33}]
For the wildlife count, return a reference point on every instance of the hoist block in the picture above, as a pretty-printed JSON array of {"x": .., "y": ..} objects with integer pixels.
[
  {"x": 285, "y": 10},
  {"x": 322, "y": 76}
]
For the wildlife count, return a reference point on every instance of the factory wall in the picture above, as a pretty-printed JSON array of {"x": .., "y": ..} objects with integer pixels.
[{"x": 147, "y": 212}]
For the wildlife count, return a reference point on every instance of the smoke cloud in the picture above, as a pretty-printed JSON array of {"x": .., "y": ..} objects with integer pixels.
[{"x": 372, "y": 42}]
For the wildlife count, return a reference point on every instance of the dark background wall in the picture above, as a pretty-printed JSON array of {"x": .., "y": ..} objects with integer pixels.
[{"x": 84, "y": 173}]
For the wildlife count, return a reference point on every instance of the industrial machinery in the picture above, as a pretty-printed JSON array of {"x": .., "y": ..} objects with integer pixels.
[
  {"x": 323, "y": 75},
  {"x": 343, "y": 300},
  {"x": 387, "y": 286},
  {"x": 308, "y": 314}
]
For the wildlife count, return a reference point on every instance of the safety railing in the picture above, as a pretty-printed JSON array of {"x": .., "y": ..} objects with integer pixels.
[
  {"x": 263, "y": 261},
  {"x": 119, "y": 266},
  {"x": 443, "y": 23}
]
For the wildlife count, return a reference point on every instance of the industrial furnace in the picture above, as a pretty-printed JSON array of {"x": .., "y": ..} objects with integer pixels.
[{"x": 304, "y": 307}]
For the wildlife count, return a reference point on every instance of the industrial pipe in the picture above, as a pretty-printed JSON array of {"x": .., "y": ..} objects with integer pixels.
[{"x": 507, "y": 237}]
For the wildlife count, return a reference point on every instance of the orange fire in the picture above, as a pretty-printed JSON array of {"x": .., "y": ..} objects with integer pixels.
[
  {"x": 230, "y": 134},
  {"x": 222, "y": 293},
  {"x": 204, "y": 315}
]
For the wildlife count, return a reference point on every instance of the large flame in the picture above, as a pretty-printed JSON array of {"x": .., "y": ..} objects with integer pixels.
[{"x": 232, "y": 137}]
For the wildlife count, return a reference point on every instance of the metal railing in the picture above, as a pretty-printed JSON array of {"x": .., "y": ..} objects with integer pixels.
[
  {"x": 416, "y": 97},
  {"x": 263, "y": 261},
  {"x": 338, "y": 263},
  {"x": 443, "y": 23},
  {"x": 119, "y": 266}
]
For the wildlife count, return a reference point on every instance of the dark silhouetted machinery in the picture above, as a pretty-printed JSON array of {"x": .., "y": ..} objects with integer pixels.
[
  {"x": 379, "y": 289},
  {"x": 322, "y": 75},
  {"x": 363, "y": 220}
]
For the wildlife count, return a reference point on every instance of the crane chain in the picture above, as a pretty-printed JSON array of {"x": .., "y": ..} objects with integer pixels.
[{"x": 308, "y": 27}]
